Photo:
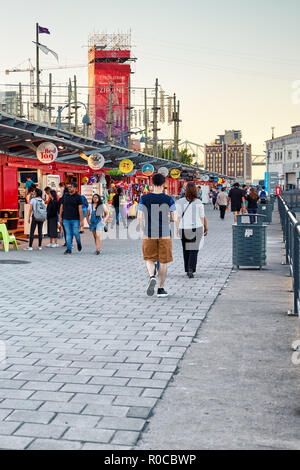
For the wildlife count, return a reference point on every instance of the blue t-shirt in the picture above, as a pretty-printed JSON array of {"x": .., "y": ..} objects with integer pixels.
[
  {"x": 156, "y": 209},
  {"x": 28, "y": 184}
]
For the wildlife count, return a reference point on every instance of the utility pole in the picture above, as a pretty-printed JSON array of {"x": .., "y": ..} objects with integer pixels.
[
  {"x": 69, "y": 101},
  {"x": 76, "y": 106},
  {"x": 50, "y": 97},
  {"x": 155, "y": 119},
  {"x": 177, "y": 122},
  {"x": 175, "y": 140},
  {"x": 20, "y": 101},
  {"x": 109, "y": 114},
  {"x": 129, "y": 112},
  {"x": 146, "y": 120},
  {"x": 86, "y": 133},
  {"x": 37, "y": 73}
]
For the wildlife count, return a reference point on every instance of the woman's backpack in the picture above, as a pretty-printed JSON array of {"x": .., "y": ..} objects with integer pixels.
[{"x": 40, "y": 211}]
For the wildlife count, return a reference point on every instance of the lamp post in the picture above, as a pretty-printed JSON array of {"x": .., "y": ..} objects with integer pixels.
[{"x": 85, "y": 120}]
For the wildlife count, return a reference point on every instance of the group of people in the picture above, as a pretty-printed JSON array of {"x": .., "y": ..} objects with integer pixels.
[
  {"x": 65, "y": 212},
  {"x": 241, "y": 200},
  {"x": 156, "y": 211}
]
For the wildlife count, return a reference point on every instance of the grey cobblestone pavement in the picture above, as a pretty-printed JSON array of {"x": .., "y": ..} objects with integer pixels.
[
  {"x": 237, "y": 387},
  {"x": 89, "y": 355}
]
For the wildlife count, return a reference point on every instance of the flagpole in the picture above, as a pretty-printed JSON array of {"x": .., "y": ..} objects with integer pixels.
[{"x": 37, "y": 72}]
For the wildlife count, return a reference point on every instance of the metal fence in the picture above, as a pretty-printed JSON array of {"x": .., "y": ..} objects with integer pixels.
[
  {"x": 291, "y": 238},
  {"x": 292, "y": 199}
]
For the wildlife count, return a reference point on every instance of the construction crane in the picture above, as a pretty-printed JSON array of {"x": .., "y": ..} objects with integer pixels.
[{"x": 31, "y": 69}]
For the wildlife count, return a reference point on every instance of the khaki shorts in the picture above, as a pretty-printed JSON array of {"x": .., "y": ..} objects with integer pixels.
[{"x": 158, "y": 248}]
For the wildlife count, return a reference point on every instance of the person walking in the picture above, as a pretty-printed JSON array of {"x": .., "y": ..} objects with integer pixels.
[
  {"x": 85, "y": 206},
  {"x": 252, "y": 198},
  {"x": 214, "y": 195},
  {"x": 199, "y": 193},
  {"x": 191, "y": 226},
  {"x": 263, "y": 195},
  {"x": 36, "y": 218},
  {"x": 97, "y": 217},
  {"x": 119, "y": 208},
  {"x": 222, "y": 202},
  {"x": 52, "y": 214},
  {"x": 62, "y": 190},
  {"x": 237, "y": 200},
  {"x": 71, "y": 216},
  {"x": 154, "y": 211}
]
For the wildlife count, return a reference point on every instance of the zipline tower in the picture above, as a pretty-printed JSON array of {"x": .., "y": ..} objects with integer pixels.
[{"x": 109, "y": 86}]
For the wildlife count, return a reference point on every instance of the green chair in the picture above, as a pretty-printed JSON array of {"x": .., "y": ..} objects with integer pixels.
[{"x": 7, "y": 238}]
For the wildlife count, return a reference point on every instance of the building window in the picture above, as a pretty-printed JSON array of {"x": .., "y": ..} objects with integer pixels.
[
  {"x": 298, "y": 153},
  {"x": 290, "y": 155}
]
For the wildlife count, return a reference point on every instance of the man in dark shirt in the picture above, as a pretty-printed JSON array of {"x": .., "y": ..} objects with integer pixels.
[
  {"x": 71, "y": 216},
  {"x": 237, "y": 199},
  {"x": 154, "y": 211}
]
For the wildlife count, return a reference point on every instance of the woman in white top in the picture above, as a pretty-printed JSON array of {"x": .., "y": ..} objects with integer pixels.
[
  {"x": 191, "y": 226},
  {"x": 97, "y": 217}
]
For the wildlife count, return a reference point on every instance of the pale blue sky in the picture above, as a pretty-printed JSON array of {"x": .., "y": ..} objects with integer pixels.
[{"x": 232, "y": 63}]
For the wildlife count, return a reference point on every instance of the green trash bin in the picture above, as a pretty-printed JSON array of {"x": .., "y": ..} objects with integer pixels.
[
  {"x": 266, "y": 209},
  {"x": 249, "y": 242},
  {"x": 272, "y": 200}
]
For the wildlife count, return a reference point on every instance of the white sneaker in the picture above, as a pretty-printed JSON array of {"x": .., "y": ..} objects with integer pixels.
[
  {"x": 40, "y": 248},
  {"x": 28, "y": 248},
  {"x": 55, "y": 245},
  {"x": 50, "y": 245}
]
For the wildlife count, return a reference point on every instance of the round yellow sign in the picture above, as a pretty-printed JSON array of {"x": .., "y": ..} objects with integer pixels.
[
  {"x": 126, "y": 166},
  {"x": 175, "y": 173}
]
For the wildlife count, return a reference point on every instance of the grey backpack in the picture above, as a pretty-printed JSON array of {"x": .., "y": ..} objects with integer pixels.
[{"x": 40, "y": 211}]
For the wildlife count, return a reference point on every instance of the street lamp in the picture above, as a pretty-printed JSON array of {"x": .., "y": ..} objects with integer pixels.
[{"x": 85, "y": 120}]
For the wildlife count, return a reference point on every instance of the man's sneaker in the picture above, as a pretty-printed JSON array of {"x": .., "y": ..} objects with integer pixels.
[
  {"x": 151, "y": 286},
  {"x": 162, "y": 293},
  {"x": 28, "y": 248},
  {"x": 79, "y": 246},
  {"x": 68, "y": 252}
]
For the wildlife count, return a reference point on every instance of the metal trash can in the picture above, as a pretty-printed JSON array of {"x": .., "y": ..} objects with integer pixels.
[
  {"x": 249, "y": 242},
  {"x": 266, "y": 209}
]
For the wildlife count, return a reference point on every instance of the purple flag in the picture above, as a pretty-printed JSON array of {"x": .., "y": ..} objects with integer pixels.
[{"x": 43, "y": 30}]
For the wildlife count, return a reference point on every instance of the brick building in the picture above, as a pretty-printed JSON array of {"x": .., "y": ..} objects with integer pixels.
[{"x": 232, "y": 158}]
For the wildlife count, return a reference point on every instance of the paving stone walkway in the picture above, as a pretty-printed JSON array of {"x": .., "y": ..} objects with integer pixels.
[{"x": 89, "y": 355}]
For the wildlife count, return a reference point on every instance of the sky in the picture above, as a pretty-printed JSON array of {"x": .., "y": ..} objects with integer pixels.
[{"x": 232, "y": 64}]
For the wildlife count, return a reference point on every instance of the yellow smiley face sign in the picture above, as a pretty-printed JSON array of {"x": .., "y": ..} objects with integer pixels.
[
  {"x": 126, "y": 166},
  {"x": 175, "y": 173}
]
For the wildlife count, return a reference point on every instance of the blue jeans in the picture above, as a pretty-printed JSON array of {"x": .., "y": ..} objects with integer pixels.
[
  {"x": 72, "y": 229},
  {"x": 119, "y": 211},
  {"x": 252, "y": 211}
]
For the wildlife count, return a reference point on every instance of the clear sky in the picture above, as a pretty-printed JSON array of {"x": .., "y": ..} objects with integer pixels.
[{"x": 232, "y": 63}]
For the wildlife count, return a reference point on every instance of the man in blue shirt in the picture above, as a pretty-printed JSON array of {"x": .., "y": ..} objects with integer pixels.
[
  {"x": 28, "y": 183},
  {"x": 155, "y": 212}
]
